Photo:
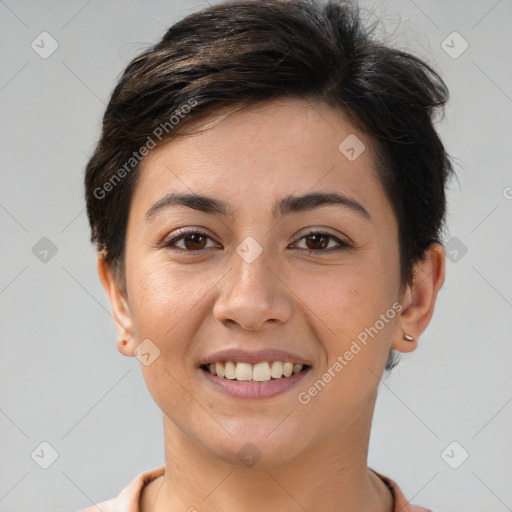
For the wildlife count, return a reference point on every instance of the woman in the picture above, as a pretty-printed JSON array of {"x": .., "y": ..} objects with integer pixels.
[{"x": 267, "y": 200}]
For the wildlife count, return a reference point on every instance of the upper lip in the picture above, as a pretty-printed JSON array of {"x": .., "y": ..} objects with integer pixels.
[{"x": 254, "y": 356}]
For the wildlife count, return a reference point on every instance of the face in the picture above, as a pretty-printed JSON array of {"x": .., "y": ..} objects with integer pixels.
[{"x": 273, "y": 278}]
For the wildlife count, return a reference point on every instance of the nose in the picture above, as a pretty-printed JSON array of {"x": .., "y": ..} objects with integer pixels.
[{"x": 253, "y": 294}]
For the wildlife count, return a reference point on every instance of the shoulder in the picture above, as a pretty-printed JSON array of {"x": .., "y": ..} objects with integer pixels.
[
  {"x": 104, "y": 506},
  {"x": 128, "y": 498},
  {"x": 401, "y": 503}
]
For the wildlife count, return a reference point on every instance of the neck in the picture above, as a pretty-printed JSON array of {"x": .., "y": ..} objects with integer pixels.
[{"x": 332, "y": 475}]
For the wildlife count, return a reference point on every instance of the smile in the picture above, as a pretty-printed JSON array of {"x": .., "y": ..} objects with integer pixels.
[{"x": 260, "y": 372}]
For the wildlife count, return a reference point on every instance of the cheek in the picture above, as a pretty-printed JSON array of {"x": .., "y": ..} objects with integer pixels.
[
  {"x": 344, "y": 313},
  {"x": 165, "y": 297},
  {"x": 165, "y": 310},
  {"x": 345, "y": 308},
  {"x": 344, "y": 300}
]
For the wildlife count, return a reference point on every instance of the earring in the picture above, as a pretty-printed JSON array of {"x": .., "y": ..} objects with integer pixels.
[{"x": 408, "y": 337}]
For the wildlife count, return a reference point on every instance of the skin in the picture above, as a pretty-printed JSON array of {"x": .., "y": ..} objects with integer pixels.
[{"x": 314, "y": 456}]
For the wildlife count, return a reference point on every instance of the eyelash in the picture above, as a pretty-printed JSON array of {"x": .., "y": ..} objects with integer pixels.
[{"x": 343, "y": 246}]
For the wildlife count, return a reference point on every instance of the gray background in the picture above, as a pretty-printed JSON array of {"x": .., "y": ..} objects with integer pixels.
[{"x": 62, "y": 379}]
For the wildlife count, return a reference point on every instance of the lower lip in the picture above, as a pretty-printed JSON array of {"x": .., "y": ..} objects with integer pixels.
[{"x": 253, "y": 390}]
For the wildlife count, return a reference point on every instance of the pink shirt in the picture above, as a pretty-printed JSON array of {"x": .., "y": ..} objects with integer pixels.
[{"x": 128, "y": 499}]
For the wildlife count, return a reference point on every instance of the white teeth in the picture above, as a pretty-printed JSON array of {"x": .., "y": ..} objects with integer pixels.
[
  {"x": 229, "y": 370},
  {"x": 219, "y": 367},
  {"x": 277, "y": 369},
  {"x": 259, "y": 372},
  {"x": 287, "y": 369},
  {"x": 243, "y": 371}
]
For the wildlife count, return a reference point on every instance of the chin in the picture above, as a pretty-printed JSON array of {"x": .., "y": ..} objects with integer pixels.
[{"x": 260, "y": 444}]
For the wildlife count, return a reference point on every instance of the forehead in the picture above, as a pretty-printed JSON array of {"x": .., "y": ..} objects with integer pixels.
[{"x": 287, "y": 146}]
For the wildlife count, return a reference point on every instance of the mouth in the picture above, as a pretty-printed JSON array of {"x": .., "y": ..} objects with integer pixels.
[
  {"x": 263, "y": 371},
  {"x": 254, "y": 374}
]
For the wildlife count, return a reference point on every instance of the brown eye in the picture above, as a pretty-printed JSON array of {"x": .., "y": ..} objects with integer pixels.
[
  {"x": 192, "y": 241},
  {"x": 317, "y": 242},
  {"x": 195, "y": 241}
]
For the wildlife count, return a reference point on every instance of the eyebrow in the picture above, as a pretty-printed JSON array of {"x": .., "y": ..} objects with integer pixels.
[{"x": 284, "y": 206}]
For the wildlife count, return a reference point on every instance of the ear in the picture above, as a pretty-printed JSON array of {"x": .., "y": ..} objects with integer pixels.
[
  {"x": 420, "y": 298},
  {"x": 120, "y": 307}
]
